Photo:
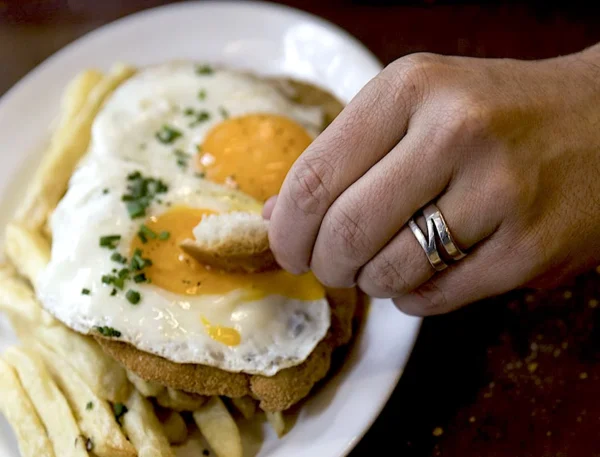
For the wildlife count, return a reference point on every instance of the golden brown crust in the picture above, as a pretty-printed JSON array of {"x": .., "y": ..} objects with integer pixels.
[
  {"x": 275, "y": 393},
  {"x": 241, "y": 259},
  {"x": 309, "y": 94}
]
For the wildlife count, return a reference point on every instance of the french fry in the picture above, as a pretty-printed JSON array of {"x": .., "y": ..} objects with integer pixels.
[
  {"x": 28, "y": 251},
  {"x": 18, "y": 299},
  {"x": 245, "y": 405},
  {"x": 68, "y": 145},
  {"x": 94, "y": 415},
  {"x": 179, "y": 400},
  {"x": 74, "y": 98},
  {"x": 175, "y": 427},
  {"x": 219, "y": 428},
  {"x": 16, "y": 406},
  {"x": 146, "y": 388},
  {"x": 144, "y": 429},
  {"x": 100, "y": 372},
  {"x": 49, "y": 402},
  {"x": 277, "y": 422}
]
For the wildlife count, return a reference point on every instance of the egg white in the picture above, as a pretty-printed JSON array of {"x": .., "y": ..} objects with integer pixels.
[{"x": 276, "y": 331}]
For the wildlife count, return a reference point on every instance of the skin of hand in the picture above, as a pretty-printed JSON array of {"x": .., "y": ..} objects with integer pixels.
[{"x": 509, "y": 150}]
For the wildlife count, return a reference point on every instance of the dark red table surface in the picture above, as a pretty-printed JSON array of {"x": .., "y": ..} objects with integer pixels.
[{"x": 514, "y": 376}]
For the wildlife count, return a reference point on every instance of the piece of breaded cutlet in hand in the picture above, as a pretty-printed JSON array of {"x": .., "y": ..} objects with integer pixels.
[{"x": 238, "y": 242}]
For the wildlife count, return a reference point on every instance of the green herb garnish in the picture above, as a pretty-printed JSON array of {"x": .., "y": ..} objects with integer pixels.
[
  {"x": 202, "y": 94},
  {"x": 89, "y": 406},
  {"x": 138, "y": 262},
  {"x": 119, "y": 409},
  {"x": 204, "y": 70},
  {"x": 146, "y": 233},
  {"x": 113, "y": 292},
  {"x": 141, "y": 192},
  {"x": 116, "y": 281},
  {"x": 108, "y": 332},
  {"x": 140, "y": 277},
  {"x": 117, "y": 257},
  {"x": 85, "y": 291},
  {"x": 110, "y": 241},
  {"x": 105, "y": 190},
  {"x": 167, "y": 134},
  {"x": 199, "y": 116},
  {"x": 224, "y": 112},
  {"x": 182, "y": 158},
  {"x": 164, "y": 235},
  {"x": 200, "y": 174},
  {"x": 133, "y": 296}
]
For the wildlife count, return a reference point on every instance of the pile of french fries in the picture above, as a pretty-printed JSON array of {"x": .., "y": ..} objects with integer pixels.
[{"x": 62, "y": 395}]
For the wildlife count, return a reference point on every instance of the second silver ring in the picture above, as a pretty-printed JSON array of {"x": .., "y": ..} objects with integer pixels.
[{"x": 436, "y": 224}]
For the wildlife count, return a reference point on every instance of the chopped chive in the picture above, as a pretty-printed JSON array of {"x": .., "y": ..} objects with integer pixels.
[
  {"x": 136, "y": 209},
  {"x": 142, "y": 237},
  {"x": 164, "y": 235},
  {"x": 200, "y": 174},
  {"x": 148, "y": 232},
  {"x": 110, "y": 241},
  {"x": 117, "y": 281},
  {"x": 204, "y": 70},
  {"x": 133, "y": 296},
  {"x": 167, "y": 134},
  {"x": 141, "y": 191},
  {"x": 119, "y": 409},
  {"x": 89, "y": 406},
  {"x": 138, "y": 262},
  {"x": 85, "y": 291},
  {"x": 108, "y": 331},
  {"x": 113, "y": 292},
  {"x": 134, "y": 175},
  {"x": 224, "y": 112},
  {"x": 188, "y": 111},
  {"x": 124, "y": 273},
  {"x": 202, "y": 94},
  {"x": 140, "y": 277},
  {"x": 201, "y": 116},
  {"x": 105, "y": 190},
  {"x": 117, "y": 257}
]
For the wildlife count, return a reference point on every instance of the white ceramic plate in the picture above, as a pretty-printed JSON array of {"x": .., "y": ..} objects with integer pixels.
[{"x": 270, "y": 40}]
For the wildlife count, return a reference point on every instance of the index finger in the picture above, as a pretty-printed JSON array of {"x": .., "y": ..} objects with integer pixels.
[{"x": 365, "y": 131}]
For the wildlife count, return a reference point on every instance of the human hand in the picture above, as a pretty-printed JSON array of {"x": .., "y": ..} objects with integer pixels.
[{"x": 508, "y": 150}]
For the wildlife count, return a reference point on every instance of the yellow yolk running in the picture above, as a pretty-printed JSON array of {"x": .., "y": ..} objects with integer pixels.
[
  {"x": 177, "y": 272},
  {"x": 225, "y": 335},
  {"x": 253, "y": 152}
]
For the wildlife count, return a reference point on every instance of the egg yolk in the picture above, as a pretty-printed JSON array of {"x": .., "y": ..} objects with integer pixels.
[
  {"x": 252, "y": 152},
  {"x": 225, "y": 335},
  {"x": 175, "y": 271}
]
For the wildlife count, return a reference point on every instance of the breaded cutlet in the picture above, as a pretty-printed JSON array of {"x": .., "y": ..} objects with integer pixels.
[{"x": 275, "y": 393}]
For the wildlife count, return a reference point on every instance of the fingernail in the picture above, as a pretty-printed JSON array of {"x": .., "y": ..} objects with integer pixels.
[{"x": 268, "y": 207}]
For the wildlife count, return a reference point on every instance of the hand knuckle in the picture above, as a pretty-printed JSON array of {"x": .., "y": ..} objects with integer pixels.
[
  {"x": 432, "y": 299},
  {"x": 308, "y": 186},
  {"x": 386, "y": 276},
  {"x": 347, "y": 236},
  {"x": 469, "y": 117}
]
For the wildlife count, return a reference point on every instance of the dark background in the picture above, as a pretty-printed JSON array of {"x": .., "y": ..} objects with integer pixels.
[{"x": 516, "y": 376}]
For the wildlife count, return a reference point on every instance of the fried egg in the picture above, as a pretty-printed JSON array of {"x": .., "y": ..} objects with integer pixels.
[{"x": 172, "y": 144}]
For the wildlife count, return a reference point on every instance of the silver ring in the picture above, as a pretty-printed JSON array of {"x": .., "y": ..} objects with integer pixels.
[{"x": 436, "y": 223}]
